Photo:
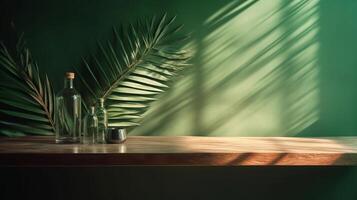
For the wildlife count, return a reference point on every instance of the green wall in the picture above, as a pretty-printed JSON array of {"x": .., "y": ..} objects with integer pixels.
[{"x": 261, "y": 68}]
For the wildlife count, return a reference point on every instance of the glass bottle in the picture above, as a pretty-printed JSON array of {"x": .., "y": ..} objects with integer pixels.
[
  {"x": 90, "y": 127},
  {"x": 101, "y": 113},
  {"x": 68, "y": 112}
]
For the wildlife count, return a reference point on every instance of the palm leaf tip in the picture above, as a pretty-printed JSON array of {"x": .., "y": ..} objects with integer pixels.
[
  {"x": 26, "y": 97},
  {"x": 133, "y": 68}
]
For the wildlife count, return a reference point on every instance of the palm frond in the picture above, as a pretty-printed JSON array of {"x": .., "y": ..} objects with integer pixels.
[
  {"x": 26, "y": 98},
  {"x": 134, "y": 67}
]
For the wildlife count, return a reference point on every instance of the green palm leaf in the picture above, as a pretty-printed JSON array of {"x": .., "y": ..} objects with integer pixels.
[
  {"x": 26, "y": 98},
  {"x": 129, "y": 71}
]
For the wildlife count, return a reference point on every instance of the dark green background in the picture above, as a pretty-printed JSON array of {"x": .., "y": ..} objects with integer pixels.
[{"x": 216, "y": 97}]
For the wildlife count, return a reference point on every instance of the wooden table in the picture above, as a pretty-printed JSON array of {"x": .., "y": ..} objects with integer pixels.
[{"x": 182, "y": 151}]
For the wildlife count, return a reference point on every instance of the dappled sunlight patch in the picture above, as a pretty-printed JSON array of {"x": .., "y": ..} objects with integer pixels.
[{"x": 254, "y": 73}]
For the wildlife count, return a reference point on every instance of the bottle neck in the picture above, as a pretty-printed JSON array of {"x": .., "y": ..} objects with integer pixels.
[
  {"x": 68, "y": 83},
  {"x": 101, "y": 104},
  {"x": 92, "y": 110}
]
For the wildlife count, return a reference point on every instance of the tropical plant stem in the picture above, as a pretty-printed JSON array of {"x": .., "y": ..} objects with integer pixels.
[{"x": 40, "y": 100}]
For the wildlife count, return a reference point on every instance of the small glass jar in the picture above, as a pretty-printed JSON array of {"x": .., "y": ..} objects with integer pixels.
[
  {"x": 116, "y": 135},
  {"x": 90, "y": 129},
  {"x": 101, "y": 113}
]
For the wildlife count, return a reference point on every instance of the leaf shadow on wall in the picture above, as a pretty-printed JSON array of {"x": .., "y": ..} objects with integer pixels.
[{"x": 252, "y": 74}]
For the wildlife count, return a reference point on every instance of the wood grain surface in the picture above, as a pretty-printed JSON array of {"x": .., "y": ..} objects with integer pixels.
[{"x": 182, "y": 151}]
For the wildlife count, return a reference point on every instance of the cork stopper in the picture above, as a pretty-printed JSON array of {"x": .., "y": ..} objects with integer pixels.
[{"x": 70, "y": 75}]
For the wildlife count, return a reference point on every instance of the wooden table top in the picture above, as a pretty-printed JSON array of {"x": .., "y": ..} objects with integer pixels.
[{"x": 182, "y": 151}]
